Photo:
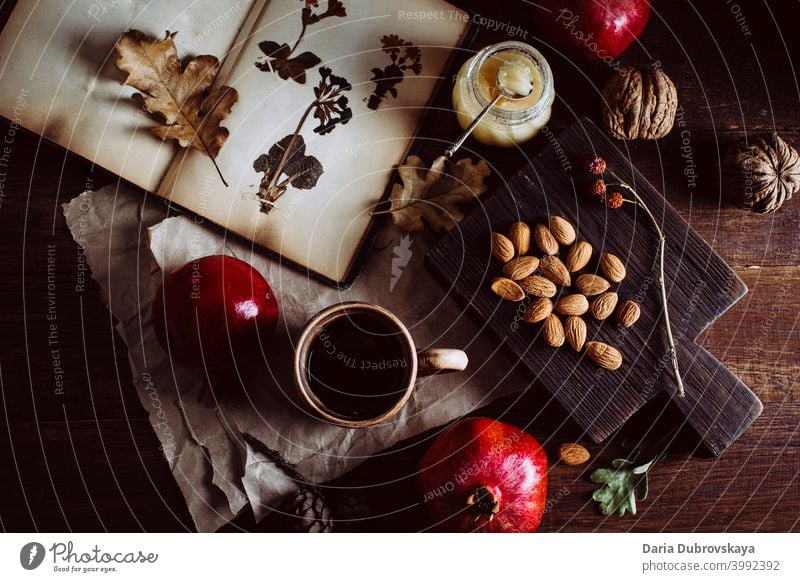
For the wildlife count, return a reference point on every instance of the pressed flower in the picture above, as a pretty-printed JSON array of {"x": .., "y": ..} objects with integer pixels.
[
  {"x": 280, "y": 58},
  {"x": 404, "y": 57},
  {"x": 286, "y": 163},
  {"x": 331, "y": 107}
]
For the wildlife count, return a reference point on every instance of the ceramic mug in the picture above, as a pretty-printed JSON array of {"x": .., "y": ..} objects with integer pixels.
[{"x": 365, "y": 329}]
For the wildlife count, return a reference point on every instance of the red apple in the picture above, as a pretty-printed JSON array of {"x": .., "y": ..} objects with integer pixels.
[
  {"x": 592, "y": 30},
  {"x": 484, "y": 475},
  {"x": 214, "y": 311}
]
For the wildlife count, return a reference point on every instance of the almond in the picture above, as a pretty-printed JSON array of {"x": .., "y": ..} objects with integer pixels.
[
  {"x": 553, "y": 331},
  {"x": 613, "y": 268},
  {"x": 575, "y": 330},
  {"x": 562, "y": 230},
  {"x": 502, "y": 247},
  {"x": 545, "y": 240},
  {"x": 579, "y": 255},
  {"x": 520, "y": 267},
  {"x": 539, "y": 310},
  {"x": 603, "y": 305},
  {"x": 591, "y": 285},
  {"x": 552, "y": 268},
  {"x": 573, "y": 454},
  {"x": 604, "y": 355},
  {"x": 507, "y": 289},
  {"x": 520, "y": 236},
  {"x": 538, "y": 286},
  {"x": 575, "y": 304},
  {"x": 628, "y": 313}
]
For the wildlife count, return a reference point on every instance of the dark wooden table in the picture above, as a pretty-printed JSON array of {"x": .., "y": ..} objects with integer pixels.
[{"x": 85, "y": 458}]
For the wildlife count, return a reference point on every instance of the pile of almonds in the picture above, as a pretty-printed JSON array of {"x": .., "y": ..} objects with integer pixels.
[{"x": 528, "y": 275}]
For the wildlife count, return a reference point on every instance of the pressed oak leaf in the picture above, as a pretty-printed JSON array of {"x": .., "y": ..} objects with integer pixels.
[
  {"x": 436, "y": 195},
  {"x": 190, "y": 109}
]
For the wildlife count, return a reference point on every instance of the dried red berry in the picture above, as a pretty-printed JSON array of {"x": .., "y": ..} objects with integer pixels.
[
  {"x": 597, "y": 188},
  {"x": 613, "y": 200},
  {"x": 594, "y": 164}
]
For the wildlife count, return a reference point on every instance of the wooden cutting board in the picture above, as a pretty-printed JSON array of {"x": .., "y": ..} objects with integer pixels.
[{"x": 700, "y": 287}]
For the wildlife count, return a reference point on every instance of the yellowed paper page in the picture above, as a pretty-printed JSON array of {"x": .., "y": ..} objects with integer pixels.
[
  {"x": 320, "y": 226},
  {"x": 58, "y": 62}
]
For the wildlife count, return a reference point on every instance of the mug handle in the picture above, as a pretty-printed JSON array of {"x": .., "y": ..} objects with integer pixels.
[{"x": 435, "y": 360}]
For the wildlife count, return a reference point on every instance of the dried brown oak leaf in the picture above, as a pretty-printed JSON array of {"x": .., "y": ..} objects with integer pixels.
[
  {"x": 436, "y": 195},
  {"x": 191, "y": 111}
]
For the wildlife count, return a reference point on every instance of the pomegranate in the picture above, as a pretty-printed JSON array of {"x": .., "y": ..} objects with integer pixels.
[
  {"x": 592, "y": 30},
  {"x": 214, "y": 311},
  {"x": 484, "y": 475}
]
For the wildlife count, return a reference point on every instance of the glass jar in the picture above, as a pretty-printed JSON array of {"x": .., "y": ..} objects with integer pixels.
[{"x": 509, "y": 122}]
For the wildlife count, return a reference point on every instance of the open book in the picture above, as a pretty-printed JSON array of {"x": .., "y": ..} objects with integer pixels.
[{"x": 379, "y": 61}]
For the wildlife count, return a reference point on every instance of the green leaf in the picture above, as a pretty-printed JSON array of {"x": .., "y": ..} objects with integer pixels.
[
  {"x": 622, "y": 486},
  {"x": 602, "y": 475}
]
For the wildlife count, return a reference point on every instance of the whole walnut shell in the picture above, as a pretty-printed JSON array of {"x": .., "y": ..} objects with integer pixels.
[
  {"x": 639, "y": 104},
  {"x": 762, "y": 174}
]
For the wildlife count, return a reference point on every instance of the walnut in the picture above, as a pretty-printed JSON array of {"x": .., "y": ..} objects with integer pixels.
[
  {"x": 639, "y": 104},
  {"x": 761, "y": 174}
]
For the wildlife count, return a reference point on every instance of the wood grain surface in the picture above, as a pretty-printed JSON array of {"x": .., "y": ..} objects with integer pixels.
[
  {"x": 700, "y": 287},
  {"x": 87, "y": 459}
]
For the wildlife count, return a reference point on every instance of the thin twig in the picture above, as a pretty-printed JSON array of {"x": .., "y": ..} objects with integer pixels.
[
  {"x": 664, "y": 302},
  {"x": 299, "y": 38},
  {"x": 211, "y": 157},
  {"x": 391, "y": 210},
  {"x": 289, "y": 147},
  {"x": 221, "y": 177}
]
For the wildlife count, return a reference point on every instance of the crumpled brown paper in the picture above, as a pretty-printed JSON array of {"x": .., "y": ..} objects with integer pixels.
[{"x": 129, "y": 250}]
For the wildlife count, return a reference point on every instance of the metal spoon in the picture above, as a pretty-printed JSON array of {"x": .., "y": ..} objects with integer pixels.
[{"x": 501, "y": 92}]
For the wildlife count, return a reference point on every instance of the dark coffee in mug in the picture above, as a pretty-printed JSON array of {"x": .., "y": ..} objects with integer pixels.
[{"x": 358, "y": 365}]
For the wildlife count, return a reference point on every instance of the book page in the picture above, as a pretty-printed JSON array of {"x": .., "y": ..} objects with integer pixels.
[
  {"x": 330, "y": 96},
  {"x": 58, "y": 60}
]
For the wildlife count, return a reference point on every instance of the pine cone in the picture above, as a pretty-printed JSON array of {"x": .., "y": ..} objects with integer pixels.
[
  {"x": 351, "y": 506},
  {"x": 307, "y": 511}
]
